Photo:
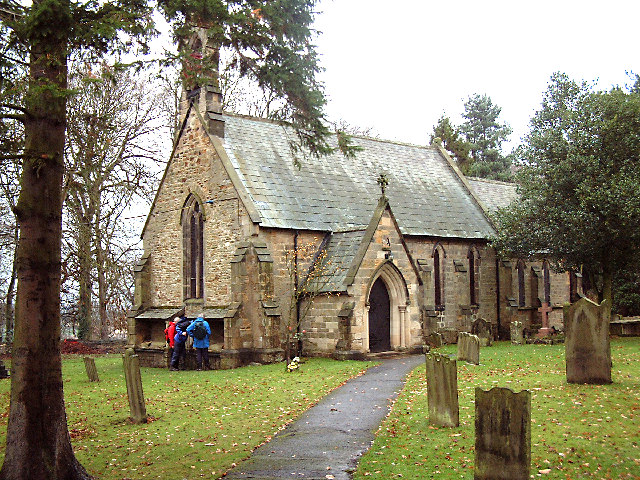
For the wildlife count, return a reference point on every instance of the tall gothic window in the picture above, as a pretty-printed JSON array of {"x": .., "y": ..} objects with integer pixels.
[
  {"x": 193, "y": 248},
  {"x": 438, "y": 276},
  {"x": 521, "y": 292},
  {"x": 546, "y": 279},
  {"x": 473, "y": 258}
]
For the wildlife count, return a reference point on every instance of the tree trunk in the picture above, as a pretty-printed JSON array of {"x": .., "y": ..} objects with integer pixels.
[
  {"x": 38, "y": 443},
  {"x": 84, "y": 278},
  {"x": 102, "y": 295}
]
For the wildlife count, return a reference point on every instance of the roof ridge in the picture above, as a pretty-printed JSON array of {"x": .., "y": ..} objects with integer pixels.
[
  {"x": 490, "y": 180},
  {"x": 363, "y": 137}
]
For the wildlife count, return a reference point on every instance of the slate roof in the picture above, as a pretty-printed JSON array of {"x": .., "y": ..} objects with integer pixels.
[
  {"x": 336, "y": 194},
  {"x": 492, "y": 193},
  {"x": 341, "y": 250}
]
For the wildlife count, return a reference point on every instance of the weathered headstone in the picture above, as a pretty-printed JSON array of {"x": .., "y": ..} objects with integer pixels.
[
  {"x": 517, "y": 333},
  {"x": 3, "y": 370},
  {"x": 587, "y": 347},
  {"x": 468, "y": 348},
  {"x": 482, "y": 329},
  {"x": 442, "y": 390},
  {"x": 545, "y": 330},
  {"x": 434, "y": 340},
  {"x": 503, "y": 434},
  {"x": 133, "y": 378},
  {"x": 90, "y": 367}
]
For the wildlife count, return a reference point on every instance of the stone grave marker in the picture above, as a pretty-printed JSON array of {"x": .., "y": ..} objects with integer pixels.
[
  {"x": 3, "y": 370},
  {"x": 587, "y": 347},
  {"x": 134, "y": 387},
  {"x": 90, "y": 367},
  {"x": 545, "y": 330},
  {"x": 442, "y": 390},
  {"x": 503, "y": 434},
  {"x": 468, "y": 348},
  {"x": 482, "y": 329},
  {"x": 517, "y": 333}
]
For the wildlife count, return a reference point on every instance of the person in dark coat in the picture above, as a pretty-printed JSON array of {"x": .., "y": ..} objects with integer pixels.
[
  {"x": 200, "y": 344},
  {"x": 179, "y": 348}
]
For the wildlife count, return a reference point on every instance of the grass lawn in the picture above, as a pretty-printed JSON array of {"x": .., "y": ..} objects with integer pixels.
[
  {"x": 203, "y": 422},
  {"x": 578, "y": 431}
]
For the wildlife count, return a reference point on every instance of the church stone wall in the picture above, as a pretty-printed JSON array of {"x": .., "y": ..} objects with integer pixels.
[
  {"x": 195, "y": 168},
  {"x": 458, "y": 314}
]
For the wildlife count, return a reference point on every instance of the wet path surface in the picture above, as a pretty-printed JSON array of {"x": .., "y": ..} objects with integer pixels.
[{"x": 327, "y": 440}]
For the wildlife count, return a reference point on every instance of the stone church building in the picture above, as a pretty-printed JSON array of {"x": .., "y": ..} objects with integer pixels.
[{"x": 401, "y": 235}]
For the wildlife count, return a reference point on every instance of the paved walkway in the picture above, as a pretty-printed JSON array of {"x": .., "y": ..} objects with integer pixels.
[{"x": 328, "y": 439}]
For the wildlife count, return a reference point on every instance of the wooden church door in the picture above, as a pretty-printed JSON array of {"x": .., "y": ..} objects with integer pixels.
[{"x": 379, "y": 318}]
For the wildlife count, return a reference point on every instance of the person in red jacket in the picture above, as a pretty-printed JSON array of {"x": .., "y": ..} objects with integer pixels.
[{"x": 169, "y": 334}]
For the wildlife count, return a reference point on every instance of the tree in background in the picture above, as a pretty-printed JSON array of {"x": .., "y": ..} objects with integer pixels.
[
  {"x": 112, "y": 144},
  {"x": 452, "y": 141},
  {"x": 12, "y": 85},
  {"x": 476, "y": 145},
  {"x": 579, "y": 184}
]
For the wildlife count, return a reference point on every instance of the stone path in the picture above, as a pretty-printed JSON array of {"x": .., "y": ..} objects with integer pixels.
[{"x": 326, "y": 442}]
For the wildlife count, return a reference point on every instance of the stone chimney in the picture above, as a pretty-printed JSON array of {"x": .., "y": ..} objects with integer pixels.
[{"x": 207, "y": 98}]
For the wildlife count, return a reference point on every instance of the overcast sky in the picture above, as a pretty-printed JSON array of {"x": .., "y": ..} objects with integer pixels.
[{"x": 398, "y": 66}]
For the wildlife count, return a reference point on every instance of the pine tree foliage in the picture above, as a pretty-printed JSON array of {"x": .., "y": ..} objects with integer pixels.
[
  {"x": 580, "y": 183},
  {"x": 476, "y": 145}
]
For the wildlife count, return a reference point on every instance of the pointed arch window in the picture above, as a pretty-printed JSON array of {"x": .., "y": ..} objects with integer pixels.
[
  {"x": 193, "y": 248},
  {"x": 546, "y": 281},
  {"x": 521, "y": 291},
  {"x": 438, "y": 276},
  {"x": 474, "y": 260}
]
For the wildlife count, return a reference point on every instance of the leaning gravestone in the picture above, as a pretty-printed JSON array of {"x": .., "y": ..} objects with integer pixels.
[
  {"x": 503, "y": 434},
  {"x": 90, "y": 367},
  {"x": 482, "y": 329},
  {"x": 134, "y": 387},
  {"x": 468, "y": 348},
  {"x": 517, "y": 333},
  {"x": 587, "y": 347},
  {"x": 442, "y": 390}
]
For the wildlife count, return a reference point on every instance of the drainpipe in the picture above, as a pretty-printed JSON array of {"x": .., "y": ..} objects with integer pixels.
[
  {"x": 498, "y": 294},
  {"x": 296, "y": 281}
]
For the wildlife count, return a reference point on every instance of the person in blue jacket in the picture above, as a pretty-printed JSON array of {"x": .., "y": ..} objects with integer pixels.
[
  {"x": 200, "y": 332},
  {"x": 179, "y": 347}
]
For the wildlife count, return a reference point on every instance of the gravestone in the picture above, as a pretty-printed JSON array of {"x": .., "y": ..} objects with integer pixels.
[
  {"x": 482, "y": 329},
  {"x": 587, "y": 347},
  {"x": 434, "y": 340},
  {"x": 90, "y": 367},
  {"x": 503, "y": 434},
  {"x": 3, "y": 370},
  {"x": 133, "y": 379},
  {"x": 517, "y": 333},
  {"x": 545, "y": 330},
  {"x": 468, "y": 348},
  {"x": 442, "y": 390}
]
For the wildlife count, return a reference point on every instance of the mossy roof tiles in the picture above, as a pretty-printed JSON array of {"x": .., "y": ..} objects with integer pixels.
[{"x": 333, "y": 193}]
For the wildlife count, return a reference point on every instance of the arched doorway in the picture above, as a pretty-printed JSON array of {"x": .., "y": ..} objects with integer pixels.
[{"x": 379, "y": 318}]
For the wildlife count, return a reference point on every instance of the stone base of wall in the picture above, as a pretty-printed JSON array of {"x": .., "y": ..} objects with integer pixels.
[
  {"x": 348, "y": 355},
  {"x": 225, "y": 359}
]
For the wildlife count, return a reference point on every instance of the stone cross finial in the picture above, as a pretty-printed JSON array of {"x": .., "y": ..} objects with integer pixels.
[{"x": 383, "y": 181}]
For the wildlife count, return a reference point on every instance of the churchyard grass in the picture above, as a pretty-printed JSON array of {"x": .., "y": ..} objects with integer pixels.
[
  {"x": 201, "y": 422},
  {"x": 577, "y": 431}
]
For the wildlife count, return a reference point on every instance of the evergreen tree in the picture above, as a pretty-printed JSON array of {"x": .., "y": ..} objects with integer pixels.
[
  {"x": 580, "y": 184},
  {"x": 482, "y": 130},
  {"x": 451, "y": 140}
]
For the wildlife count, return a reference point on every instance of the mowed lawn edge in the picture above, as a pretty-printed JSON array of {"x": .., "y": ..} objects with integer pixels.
[
  {"x": 201, "y": 423},
  {"x": 577, "y": 431}
]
